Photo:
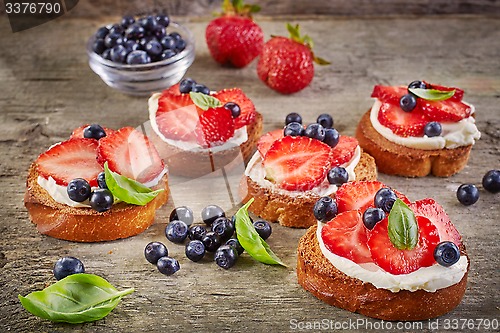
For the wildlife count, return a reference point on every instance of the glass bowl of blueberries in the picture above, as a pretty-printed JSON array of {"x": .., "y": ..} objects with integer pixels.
[{"x": 141, "y": 55}]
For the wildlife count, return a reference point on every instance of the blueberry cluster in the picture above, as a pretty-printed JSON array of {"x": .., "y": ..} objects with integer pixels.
[
  {"x": 79, "y": 189},
  {"x": 188, "y": 84},
  {"x": 468, "y": 194},
  {"x": 138, "y": 40},
  {"x": 66, "y": 266}
]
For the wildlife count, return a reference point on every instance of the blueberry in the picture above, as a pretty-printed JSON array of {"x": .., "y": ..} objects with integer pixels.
[
  {"x": 119, "y": 54},
  {"x": 164, "y": 20},
  {"x": 182, "y": 213},
  {"x": 175, "y": 35},
  {"x": 293, "y": 129},
  {"x": 101, "y": 180},
  {"x": 337, "y": 176},
  {"x": 195, "y": 250},
  {"x": 332, "y": 137},
  {"x": 263, "y": 228},
  {"x": 106, "y": 54},
  {"x": 417, "y": 84},
  {"x": 148, "y": 23},
  {"x": 167, "y": 265},
  {"x": 325, "y": 209},
  {"x": 226, "y": 256},
  {"x": 201, "y": 89},
  {"x": 293, "y": 118},
  {"x": 197, "y": 232},
  {"x": 127, "y": 20},
  {"x": 113, "y": 39},
  {"x": 186, "y": 85},
  {"x": 98, "y": 46},
  {"x": 372, "y": 216},
  {"x": 159, "y": 31},
  {"x": 234, "y": 108},
  {"x": 67, "y": 266},
  {"x": 315, "y": 131},
  {"x": 153, "y": 48},
  {"x": 78, "y": 190},
  {"x": 168, "y": 43},
  {"x": 101, "y": 33},
  {"x": 446, "y": 253},
  {"x": 154, "y": 251},
  {"x": 491, "y": 181},
  {"x": 167, "y": 54},
  {"x": 433, "y": 128},
  {"x": 236, "y": 244},
  {"x": 180, "y": 45},
  {"x": 116, "y": 29},
  {"x": 223, "y": 228},
  {"x": 138, "y": 57},
  {"x": 131, "y": 45},
  {"x": 384, "y": 199},
  {"x": 211, "y": 241},
  {"x": 176, "y": 231},
  {"x": 325, "y": 120},
  {"x": 408, "y": 102},
  {"x": 94, "y": 131},
  {"x": 467, "y": 194},
  {"x": 101, "y": 200},
  {"x": 211, "y": 213},
  {"x": 135, "y": 31}
]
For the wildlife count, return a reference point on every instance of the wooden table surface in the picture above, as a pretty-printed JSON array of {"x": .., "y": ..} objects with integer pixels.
[{"x": 47, "y": 89}]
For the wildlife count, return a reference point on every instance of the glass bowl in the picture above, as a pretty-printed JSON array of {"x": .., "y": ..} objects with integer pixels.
[{"x": 143, "y": 79}]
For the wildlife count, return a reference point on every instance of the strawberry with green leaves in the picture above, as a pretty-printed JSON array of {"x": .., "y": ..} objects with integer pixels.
[
  {"x": 234, "y": 39},
  {"x": 287, "y": 64}
]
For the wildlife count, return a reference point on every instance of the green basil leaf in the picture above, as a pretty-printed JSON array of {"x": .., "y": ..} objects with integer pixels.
[
  {"x": 77, "y": 298},
  {"x": 432, "y": 94},
  {"x": 403, "y": 227},
  {"x": 250, "y": 239},
  {"x": 128, "y": 190},
  {"x": 203, "y": 101}
]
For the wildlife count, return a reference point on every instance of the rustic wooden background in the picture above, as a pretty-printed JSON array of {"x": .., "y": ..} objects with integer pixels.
[{"x": 47, "y": 89}]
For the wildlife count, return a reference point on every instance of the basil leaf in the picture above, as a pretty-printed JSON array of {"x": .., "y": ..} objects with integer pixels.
[
  {"x": 77, "y": 298},
  {"x": 250, "y": 239},
  {"x": 432, "y": 94},
  {"x": 403, "y": 227},
  {"x": 203, "y": 101},
  {"x": 128, "y": 190}
]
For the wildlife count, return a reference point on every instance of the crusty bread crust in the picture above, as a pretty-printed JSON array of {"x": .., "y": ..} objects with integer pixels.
[
  {"x": 85, "y": 224},
  {"x": 196, "y": 164},
  {"x": 318, "y": 276},
  {"x": 295, "y": 212},
  {"x": 394, "y": 159}
]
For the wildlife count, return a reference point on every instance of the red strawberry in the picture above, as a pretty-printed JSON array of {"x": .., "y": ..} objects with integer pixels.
[
  {"x": 130, "y": 153},
  {"x": 400, "y": 122},
  {"x": 436, "y": 214},
  {"x": 78, "y": 132},
  {"x": 177, "y": 117},
  {"x": 344, "y": 150},
  {"x": 389, "y": 94},
  {"x": 234, "y": 38},
  {"x": 396, "y": 261},
  {"x": 345, "y": 236},
  {"x": 237, "y": 96},
  {"x": 173, "y": 90},
  {"x": 457, "y": 96},
  {"x": 215, "y": 127},
  {"x": 267, "y": 140},
  {"x": 447, "y": 110},
  {"x": 297, "y": 163},
  {"x": 74, "y": 158},
  {"x": 286, "y": 64}
]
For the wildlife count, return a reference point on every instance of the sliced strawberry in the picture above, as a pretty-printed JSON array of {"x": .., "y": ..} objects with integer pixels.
[
  {"x": 344, "y": 150},
  {"x": 389, "y": 94},
  {"x": 345, "y": 236},
  {"x": 78, "y": 132},
  {"x": 297, "y": 163},
  {"x": 447, "y": 110},
  {"x": 131, "y": 154},
  {"x": 435, "y": 212},
  {"x": 215, "y": 127},
  {"x": 74, "y": 158},
  {"x": 396, "y": 261},
  {"x": 237, "y": 96},
  {"x": 177, "y": 117},
  {"x": 267, "y": 140},
  {"x": 400, "y": 122},
  {"x": 457, "y": 96},
  {"x": 173, "y": 90}
]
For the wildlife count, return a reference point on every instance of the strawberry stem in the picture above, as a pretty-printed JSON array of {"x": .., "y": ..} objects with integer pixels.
[
  {"x": 238, "y": 8},
  {"x": 295, "y": 35}
]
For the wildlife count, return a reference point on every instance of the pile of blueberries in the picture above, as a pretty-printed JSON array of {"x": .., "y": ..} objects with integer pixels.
[
  {"x": 138, "y": 41},
  {"x": 468, "y": 194},
  {"x": 321, "y": 130},
  {"x": 215, "y": 236}
]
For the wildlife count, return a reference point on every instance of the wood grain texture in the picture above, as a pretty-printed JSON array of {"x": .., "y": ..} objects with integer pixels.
[{"x": 47, "y": 89}]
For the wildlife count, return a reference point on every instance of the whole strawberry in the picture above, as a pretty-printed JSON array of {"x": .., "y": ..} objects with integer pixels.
[
  {"x": 234, "y": 38},
  {"x": 286, "y": 64}
]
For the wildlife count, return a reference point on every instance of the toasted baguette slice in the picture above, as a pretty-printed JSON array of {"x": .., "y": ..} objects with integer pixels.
[
  {"x": 85, "y": 224},
  {"x": 294, "y": 211},
  {"x": 394, "y": 159},
  {"x": 196, "y": 164},
  {"x": 317, "y": 275}
]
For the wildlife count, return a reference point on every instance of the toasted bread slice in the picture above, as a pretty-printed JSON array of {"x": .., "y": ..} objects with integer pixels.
[
  {"x": 317, "y": 275},
  {"x": 85, "y": 224},
  {"x": 394, "y": 159},
  {"x": 294, "y": 211}
]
